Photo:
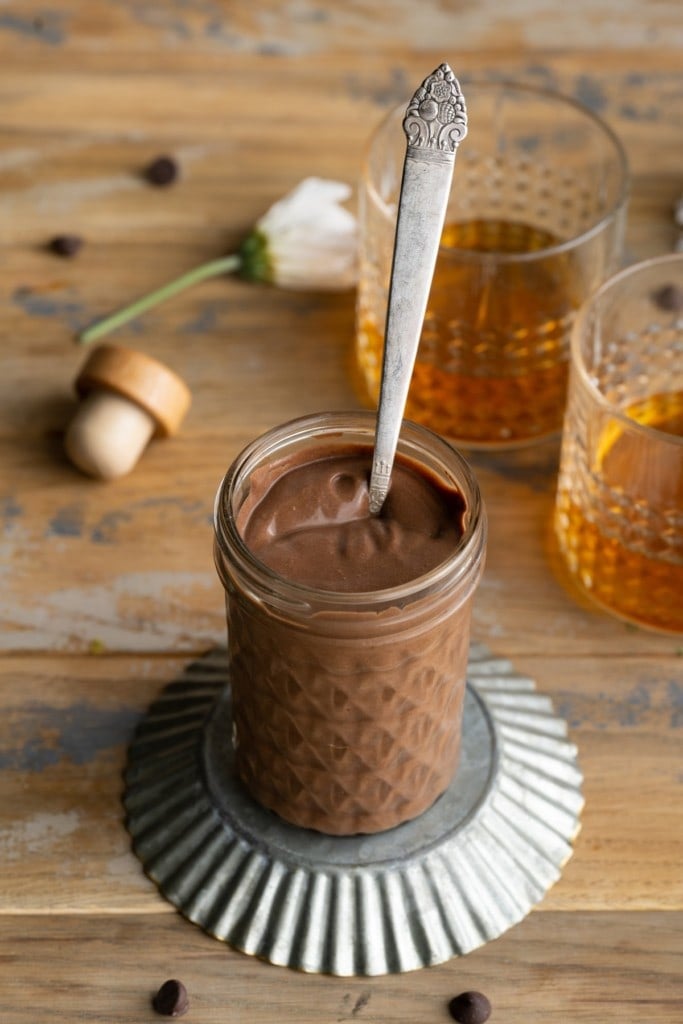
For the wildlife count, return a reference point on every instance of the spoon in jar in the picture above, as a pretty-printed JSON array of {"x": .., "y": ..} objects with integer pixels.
[{"x": 435, "y": 124}]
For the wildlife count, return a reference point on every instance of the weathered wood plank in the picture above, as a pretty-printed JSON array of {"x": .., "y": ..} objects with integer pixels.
[
  {"x": 129, "y": 565},
  {"x": 116, "y": 32},
  {"x": 67, "y": 723},
  {"x": 550, "y": 969}
]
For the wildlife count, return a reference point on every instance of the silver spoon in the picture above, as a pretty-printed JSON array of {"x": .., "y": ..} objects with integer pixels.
[{"x": 435, "y": 123}]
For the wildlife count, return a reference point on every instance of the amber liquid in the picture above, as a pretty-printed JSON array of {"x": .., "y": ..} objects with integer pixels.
[
  {"x": 628, "y": 557},
  {"x": 492, "y": 363}
]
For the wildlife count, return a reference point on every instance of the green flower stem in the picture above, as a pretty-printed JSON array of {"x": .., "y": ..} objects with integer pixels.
[{"x": 223, "y": 265}]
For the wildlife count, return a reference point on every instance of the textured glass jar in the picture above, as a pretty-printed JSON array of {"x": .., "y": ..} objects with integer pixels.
[{"x": 347, "y": 706}]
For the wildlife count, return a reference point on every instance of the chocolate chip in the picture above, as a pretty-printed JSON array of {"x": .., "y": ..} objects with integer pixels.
[
  {"x": 669, "y": 298},
  {"x": 162, "y": 171},
  {"x": 66, "y": 245},
  {"x": 171, "y": 1000},
  {"x": 470, "y": 1008}
]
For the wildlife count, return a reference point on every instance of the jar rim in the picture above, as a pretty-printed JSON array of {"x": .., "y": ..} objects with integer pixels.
[{"x": 319, "y": 426}]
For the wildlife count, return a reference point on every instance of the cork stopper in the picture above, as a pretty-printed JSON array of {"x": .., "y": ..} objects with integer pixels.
[{"x": 127, "y": 398}]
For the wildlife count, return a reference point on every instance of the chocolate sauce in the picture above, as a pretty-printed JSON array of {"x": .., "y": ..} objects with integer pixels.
[{"x": 309, "y": 522}]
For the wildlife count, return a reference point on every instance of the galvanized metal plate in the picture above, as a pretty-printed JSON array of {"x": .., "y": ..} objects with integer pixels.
[{"x": 458, "y": 876}]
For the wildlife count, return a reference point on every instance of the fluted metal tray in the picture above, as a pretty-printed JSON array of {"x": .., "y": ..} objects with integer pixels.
[{"x": 458, "y": 876}]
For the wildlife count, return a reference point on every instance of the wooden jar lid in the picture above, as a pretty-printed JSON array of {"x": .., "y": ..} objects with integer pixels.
[{"x": 138, "y": 377}]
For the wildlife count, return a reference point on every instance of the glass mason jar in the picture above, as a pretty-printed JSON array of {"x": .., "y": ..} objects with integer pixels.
[{"x": 347, "y": 707}]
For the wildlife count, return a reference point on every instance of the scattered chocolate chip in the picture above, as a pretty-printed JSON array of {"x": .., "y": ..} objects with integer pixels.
[
  {"x": 162, "y": 171},
  {"x": 66, "y": 245},
  {"x": 669, "y": 298},
  {"x": 470, "y": 1008},
  {"x": 171, "y": 1000}
]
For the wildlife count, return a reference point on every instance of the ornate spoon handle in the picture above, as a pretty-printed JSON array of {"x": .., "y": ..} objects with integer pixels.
[{"x": 435, "y": 123}]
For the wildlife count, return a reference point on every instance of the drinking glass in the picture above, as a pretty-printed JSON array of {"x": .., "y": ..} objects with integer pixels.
[
  {"x": 619, "y": 509},
  {"x": 534, "y": 225}
]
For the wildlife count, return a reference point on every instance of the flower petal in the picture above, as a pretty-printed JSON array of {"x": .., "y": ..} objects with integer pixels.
[{"x": 311, "y": 239}]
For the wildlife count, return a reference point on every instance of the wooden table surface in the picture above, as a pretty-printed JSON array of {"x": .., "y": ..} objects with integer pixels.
[{"x": 109, "y": 590}]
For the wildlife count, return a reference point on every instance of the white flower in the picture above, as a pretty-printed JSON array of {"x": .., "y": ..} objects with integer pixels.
[{"x": 308, "y": 239}]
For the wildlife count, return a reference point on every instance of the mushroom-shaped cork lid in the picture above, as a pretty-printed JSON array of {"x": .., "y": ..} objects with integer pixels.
[
  {"x": 127, "y": 398},
  {"x": 138, "y": 377}
]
